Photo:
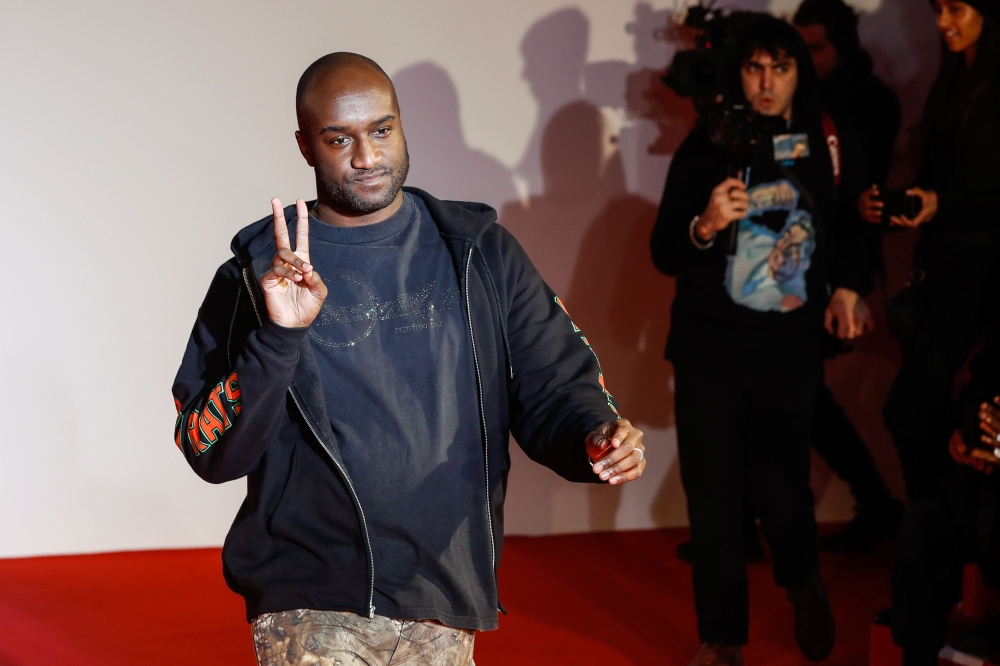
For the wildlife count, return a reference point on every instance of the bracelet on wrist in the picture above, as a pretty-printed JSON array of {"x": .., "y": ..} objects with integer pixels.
[{"x": 695, "y": 239}]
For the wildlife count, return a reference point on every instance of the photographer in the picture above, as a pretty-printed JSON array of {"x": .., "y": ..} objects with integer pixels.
[
  {"x": 942, "y": 534},
  {"x": 940, "y": 317},
  {"x": 746, "y": 333},
  {"x": 855, "y": 97}
]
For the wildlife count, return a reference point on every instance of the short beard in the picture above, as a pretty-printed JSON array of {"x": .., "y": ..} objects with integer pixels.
[{"x": 343, "y": 197}]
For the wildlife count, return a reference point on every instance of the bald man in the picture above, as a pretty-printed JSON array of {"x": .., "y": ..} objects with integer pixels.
[{"x": 362, "y": 360}]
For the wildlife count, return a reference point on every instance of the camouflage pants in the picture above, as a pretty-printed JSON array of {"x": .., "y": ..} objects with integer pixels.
[{"x": 331, "y": 638}]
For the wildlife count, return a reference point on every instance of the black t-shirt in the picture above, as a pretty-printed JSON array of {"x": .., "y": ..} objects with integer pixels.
[
  {"x": 801, "y": 239},
  {"x": 399, "y": 377}
]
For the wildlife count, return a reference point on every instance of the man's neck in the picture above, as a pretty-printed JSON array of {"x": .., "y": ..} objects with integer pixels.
[{"x": 329, "y": 213}]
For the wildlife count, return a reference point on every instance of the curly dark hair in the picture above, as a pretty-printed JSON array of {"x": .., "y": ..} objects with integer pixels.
[{"x": 777, "y": 38}]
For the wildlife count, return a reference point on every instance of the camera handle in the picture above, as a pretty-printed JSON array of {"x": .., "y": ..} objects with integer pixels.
[{"x": 734, "y": 226}]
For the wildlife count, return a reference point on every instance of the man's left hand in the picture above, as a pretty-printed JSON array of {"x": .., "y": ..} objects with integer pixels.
[
  {"x": 847, "y": 315},
  {"x": 617, "y": 452},
  {"x": 976, "y": 458},
  {"x": 928, "y": 209},
  {"x": 989, "y": 424}
]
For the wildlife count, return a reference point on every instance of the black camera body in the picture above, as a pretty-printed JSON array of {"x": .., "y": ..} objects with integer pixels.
[
  {"x": 709, "y": 73},
  {"x": 899, "y": 203},
  {"x": 740, "y": 131}
]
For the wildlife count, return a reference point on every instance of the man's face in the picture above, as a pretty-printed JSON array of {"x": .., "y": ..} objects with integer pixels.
[
  {"x": 769, "y": 83},
  {"x": 824, "y": 54},
  {"x": 351, "y": 134}
]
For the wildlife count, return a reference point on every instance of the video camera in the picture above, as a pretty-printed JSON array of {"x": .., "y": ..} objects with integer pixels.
[
  {"x": 710, "y": 75},
  {"x": 740, "y": 131}
]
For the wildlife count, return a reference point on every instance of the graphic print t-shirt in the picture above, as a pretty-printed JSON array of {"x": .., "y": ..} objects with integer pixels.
[
  {"x": 774, "y": 248},
  {"x": 399, "y": 378}
]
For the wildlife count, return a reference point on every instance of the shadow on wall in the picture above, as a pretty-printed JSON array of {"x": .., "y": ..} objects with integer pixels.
[
  {"x": 902, "y": 38},
  {"x": 440, "y": 160},
  {"x": 594, "y": 170},
  {"x": 594, "y": 185},
  {"x": 554, "y": 51},
  {"x": 587, "y": 234},
  {"x": 653, "y": 119}
]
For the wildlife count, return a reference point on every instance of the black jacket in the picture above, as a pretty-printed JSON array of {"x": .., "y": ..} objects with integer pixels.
[
  {"x": 858, "y": 99},
  {"x": 250, "y": 403},
  {"x": 705, "y": 319},
  {"x": 961, "y": 164}
]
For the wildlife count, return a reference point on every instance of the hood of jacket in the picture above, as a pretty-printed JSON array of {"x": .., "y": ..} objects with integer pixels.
[{"x": 456, "y": 219}]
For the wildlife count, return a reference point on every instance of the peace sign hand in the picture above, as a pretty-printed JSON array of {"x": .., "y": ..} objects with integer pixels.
[{"x": 293, "y": 291}]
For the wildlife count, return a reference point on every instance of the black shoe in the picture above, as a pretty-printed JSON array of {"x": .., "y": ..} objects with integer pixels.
[
  {"x": 717, "y": 654},
  {"x": 870, "y": 526},
  {"x": 883, "y": 617},
  {"x": 754, "y": 550},
  {"x": 982, "y": 641},
  {"x": 815, "y": 630}
]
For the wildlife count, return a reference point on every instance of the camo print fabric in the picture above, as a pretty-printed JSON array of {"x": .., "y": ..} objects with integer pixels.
[{"x": 330, "y": 638}]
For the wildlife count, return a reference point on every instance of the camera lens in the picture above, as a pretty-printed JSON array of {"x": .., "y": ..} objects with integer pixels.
[{"x": 704, "y": 71}]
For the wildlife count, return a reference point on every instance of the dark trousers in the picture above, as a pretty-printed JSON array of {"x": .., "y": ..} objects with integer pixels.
[
  {"x": 938, "y": 537},
  {"x": 950, "y": 320},
  {"x": 837, "y": 442},
  {"x": 743, "y": 432}
]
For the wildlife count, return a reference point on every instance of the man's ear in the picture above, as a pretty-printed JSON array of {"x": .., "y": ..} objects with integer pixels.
[{"x": 304, "y": 148}]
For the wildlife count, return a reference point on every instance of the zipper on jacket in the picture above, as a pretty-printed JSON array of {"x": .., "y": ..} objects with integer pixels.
[
  {"x": 232, "y": 322},
  {"x": 482, "y": 417},
  {"x": 343, "y": 472},
  {"x": 503, "y": 324}
]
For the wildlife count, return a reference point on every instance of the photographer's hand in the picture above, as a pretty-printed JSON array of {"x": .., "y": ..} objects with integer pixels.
[
  {"x": 851, "y": 314},
  {"x": 989, "y": 423},
  {"x": 870, "y": 206},
  {"x": 961, "y": 454},
  {"x": 729, "y": 202},
  {"x": 928, "y": 209}
]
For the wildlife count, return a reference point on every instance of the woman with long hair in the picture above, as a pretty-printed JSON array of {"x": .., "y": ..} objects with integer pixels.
[
  {"x": 948, "y": 305},
  {"x": 939, "y": 318}
]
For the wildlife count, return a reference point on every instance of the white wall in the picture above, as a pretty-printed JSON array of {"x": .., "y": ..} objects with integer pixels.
[{"x": 137, "y": 137}]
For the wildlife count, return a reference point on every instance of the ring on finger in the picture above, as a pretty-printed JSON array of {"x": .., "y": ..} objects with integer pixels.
[{"x": 642, "y": 455}]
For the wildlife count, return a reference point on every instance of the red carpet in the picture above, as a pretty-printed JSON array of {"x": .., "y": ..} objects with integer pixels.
[{"x": 608, "y": 599}]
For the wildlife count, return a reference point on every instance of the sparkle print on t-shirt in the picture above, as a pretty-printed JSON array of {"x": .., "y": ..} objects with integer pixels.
[{"x": 347, "y": 324}]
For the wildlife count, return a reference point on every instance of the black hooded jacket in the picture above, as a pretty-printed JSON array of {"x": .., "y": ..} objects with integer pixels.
[
  {"x": 858, "y": 99},
  {"x": 250, "y": 403}
]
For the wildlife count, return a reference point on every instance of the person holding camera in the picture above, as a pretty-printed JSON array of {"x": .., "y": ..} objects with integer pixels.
[
  {"x": 854, "y": 96},
  {"x": 942, "y": 534},
  {"x": 766, "y": 254},
  {"x": 940, "y": 317}
]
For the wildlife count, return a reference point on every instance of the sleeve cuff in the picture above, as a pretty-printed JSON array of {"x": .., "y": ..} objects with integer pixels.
[{"x": 282, "y": 341}]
